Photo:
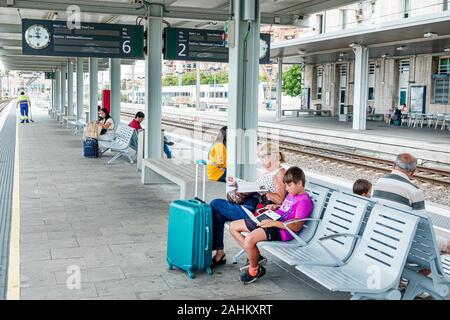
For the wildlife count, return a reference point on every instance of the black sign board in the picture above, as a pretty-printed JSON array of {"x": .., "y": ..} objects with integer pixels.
[
  {"x": 204, "y": 45},
  {"x": 101, "y": 40},
  {"x": 49, "y": 75}
]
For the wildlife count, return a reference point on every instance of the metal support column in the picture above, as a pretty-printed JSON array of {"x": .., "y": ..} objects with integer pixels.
[
  {"x": 57, "y": 90},
  {"x": 80, "y": 89},
  {"x": 243, "y": 110},
  {"x": 279, "y": 87},
  {"x": 114, "y": 81},
  {"x": 153, "y": 71},
  {"x": 63, "y": 88},
  {"x": 360, "y": 91},
  {"x": 93, "y": 89},
  {"x": 69, "y": 89}
]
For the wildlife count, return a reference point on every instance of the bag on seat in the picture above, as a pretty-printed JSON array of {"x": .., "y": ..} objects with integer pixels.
[{"x": 90, "y": 148}]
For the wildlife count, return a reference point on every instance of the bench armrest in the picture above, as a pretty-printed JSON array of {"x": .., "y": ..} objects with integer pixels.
[
  {"x": 339, "y": 262},
  {"x": 300, "y": 241}
]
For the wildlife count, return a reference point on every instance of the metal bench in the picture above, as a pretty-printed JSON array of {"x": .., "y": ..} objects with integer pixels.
[
  {"x": 120, "y": 144},
  {"x": 344, "y": 214},
  {"x": 424, "y": 254},
  {"x": 292, "y": 111},
  {"x": 182, "y": 173},
  {"x": 375, "y": 267}
]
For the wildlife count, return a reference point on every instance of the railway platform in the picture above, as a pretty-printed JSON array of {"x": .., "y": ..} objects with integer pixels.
[
  {"x": 427, "y": 144},
  {"x": 79, "y": 214}
]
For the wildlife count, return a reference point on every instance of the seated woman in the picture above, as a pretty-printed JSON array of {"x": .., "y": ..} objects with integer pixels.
[
  {"x": 223, "y": 210},
  {"x": 217, "y": 157},
  {"x": 107, "y": 124}
]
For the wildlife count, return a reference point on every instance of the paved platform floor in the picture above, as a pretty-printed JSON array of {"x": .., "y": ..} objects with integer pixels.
[{"x": 81, "y": 214}]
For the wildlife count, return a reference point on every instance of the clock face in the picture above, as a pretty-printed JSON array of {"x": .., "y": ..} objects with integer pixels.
[
  {"x": 37, "y": 36},
  {"x": 263, "y": 48}
]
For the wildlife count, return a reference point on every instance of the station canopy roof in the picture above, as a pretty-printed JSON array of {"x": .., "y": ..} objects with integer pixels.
[
  {"x": 402, "y": 38},
  {"x": 207, "y": 14}
]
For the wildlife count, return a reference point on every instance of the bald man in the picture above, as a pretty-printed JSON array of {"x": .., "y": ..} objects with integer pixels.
[{"x": 397, "y": 186}]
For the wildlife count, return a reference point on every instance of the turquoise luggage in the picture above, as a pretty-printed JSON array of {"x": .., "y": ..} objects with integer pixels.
[{"x": 189, "y": 239}]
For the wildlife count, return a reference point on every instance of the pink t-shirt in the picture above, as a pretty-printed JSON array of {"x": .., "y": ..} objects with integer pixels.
[{"x": 299, "y": 206}]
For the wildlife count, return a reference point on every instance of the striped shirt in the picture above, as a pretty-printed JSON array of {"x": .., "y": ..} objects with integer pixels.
[{"x": 396, "y": 187}]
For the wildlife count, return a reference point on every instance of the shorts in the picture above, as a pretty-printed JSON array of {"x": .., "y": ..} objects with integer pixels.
[{"x": 272, "y": 234}]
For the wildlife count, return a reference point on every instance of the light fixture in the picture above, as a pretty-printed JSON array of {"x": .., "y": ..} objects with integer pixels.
[
  {"x": 341, "y": 54},
  {"x": 301, "y": 51},
  {"x": 401, "y": 48},
  {"x": 430, "y": 35},
  {"x": 340, "y": 59},
  {"x": 384, "y": 56},
  {"x": 447, "y": 50}
]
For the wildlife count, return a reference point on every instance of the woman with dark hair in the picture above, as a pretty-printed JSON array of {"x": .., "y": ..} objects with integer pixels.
[
  {"x": 107, "y": 125},
  {"x": 217, "y": 157}
]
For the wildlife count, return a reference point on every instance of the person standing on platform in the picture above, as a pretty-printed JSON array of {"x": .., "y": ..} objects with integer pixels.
[{"x": 23, "y": 101}]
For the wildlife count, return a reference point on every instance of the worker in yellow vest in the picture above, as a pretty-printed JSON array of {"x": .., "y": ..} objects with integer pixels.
[{"x": 24, "y": 103}]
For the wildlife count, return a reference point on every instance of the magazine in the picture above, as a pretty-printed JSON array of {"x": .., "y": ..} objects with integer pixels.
[
  {"x": 246, "y": 187},
  {"x": 261, "y": 214}
]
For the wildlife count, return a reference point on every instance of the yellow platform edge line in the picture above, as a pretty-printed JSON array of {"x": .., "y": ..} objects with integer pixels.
[{"x": 13, "y": 289}]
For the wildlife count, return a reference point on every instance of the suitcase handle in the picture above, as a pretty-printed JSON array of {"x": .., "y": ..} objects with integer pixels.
[
  {"x": 207, "y": 238},
  {"x": 197, "y": 164}
]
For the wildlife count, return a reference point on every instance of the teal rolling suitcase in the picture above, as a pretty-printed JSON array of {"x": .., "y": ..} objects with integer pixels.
[{"x": 189, "y": 239}]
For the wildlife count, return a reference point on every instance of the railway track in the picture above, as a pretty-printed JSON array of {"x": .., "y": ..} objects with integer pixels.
[{"x": 423, "y": 174}]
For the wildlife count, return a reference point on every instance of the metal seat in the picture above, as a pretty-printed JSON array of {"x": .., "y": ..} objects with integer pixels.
[
  {"x": 375, "y": 267},
  {"x": 419, "y": 118},
  {"x": 440, "y": 118},
  {"x": 121, "y": 143},
  {"x": 344, "y": 214}
]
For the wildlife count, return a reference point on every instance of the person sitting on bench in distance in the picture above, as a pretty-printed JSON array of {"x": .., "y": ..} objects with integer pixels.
[
  {"x": 296, "y": 205},
  {"x": 107, "y": 124},
  {"x": 363, "y": 188},
  {"x": 136, "y": 125},
  {"x": 217, "y": 157}
]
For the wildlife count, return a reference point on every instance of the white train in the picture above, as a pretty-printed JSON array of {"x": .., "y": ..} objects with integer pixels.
[{"x": 211, "y": 97}]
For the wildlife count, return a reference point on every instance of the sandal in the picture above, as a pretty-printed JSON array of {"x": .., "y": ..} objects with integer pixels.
[{"x": 215, "y": 263}]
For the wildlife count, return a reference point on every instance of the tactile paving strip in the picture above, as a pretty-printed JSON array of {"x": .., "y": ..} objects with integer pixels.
[{"x": 7, "y": 154}]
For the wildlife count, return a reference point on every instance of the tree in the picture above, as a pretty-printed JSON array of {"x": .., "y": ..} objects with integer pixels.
[
  {"x": 189, "y": 79},
  {"x": 169, "y": 81},
  {"x": 292, "y": 85}
]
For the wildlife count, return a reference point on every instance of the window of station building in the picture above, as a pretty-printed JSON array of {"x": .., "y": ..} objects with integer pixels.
[
  {"x": 406, "y": 8},
  {"x": 442, "y": 85},
  {"x": 319, "y": 79},
  {"x": 319, "y": 23},
  {"x": 445, "y": 5},
  {"x": 371, "y": 82},
  {"x": 343, "y": 19}
]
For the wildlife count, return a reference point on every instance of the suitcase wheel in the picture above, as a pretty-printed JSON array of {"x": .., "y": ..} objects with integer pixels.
[
  {"x": 190, "y": 275},
  {"x": 170, "y": 266},
  {"x": 209, "y": 271}
]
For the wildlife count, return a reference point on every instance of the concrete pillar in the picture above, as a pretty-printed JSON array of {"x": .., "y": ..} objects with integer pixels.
[
  {"x": 63, "y": 88},
  {"x": 360, "y": 87},
  {"x": 58, "y": 90},
  {"x": 153, "y": 71},
  {"x": 69, "y": 88},
  {"x": 114, "y": 81},
  {"x": 243, "y": 91},
  {"x": 93, "y": 89},
  {"x": 80, "y": 89},
  {"x": 279, "y": 87}
]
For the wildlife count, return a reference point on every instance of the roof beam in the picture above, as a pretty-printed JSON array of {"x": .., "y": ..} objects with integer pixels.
[
  {"x": 10, "y": 43},
  {"x": 314, "y": 6},
  {"x": 132, "y": 9}
]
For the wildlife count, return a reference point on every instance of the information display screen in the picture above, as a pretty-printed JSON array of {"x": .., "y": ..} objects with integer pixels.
[
  {"x": 204, "y": 45},
  {"x": 101, "y": 40}
]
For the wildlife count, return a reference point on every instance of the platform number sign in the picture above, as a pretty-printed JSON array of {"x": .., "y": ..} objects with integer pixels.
[
  {"x": 101, "y": 40},
  {"x": 204, "y": 45}
]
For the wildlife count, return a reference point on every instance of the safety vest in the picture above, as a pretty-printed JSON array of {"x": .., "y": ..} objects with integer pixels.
[{"x": 23, "y": 100}]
